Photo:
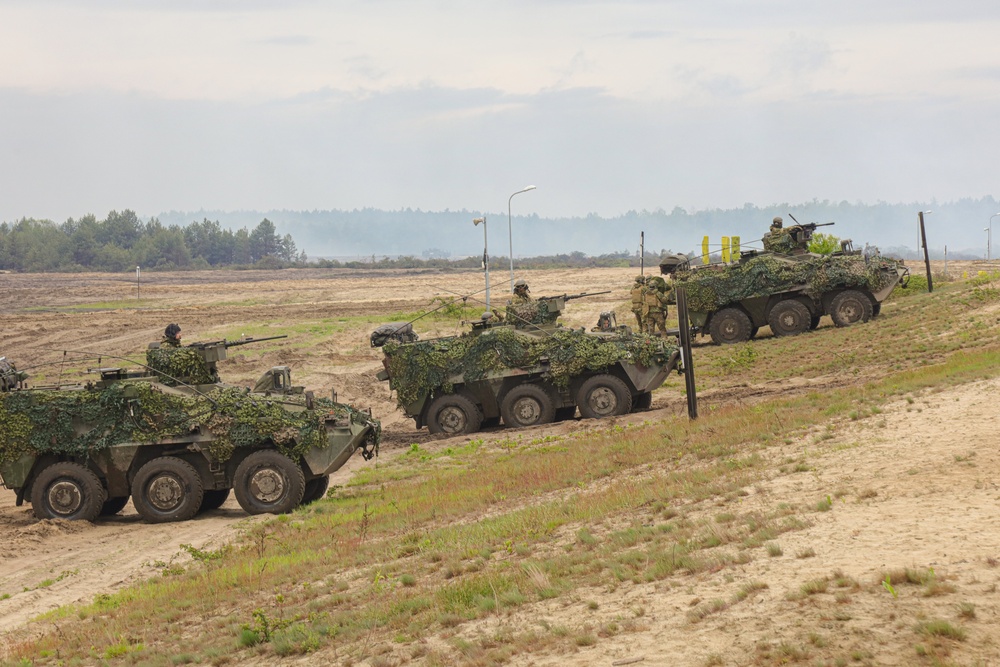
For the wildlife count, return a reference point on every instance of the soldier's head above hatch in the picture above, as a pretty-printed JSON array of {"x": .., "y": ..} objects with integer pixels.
[
  {"x": 640, "y": 280},
  {"x": 776, "y": 223},
  {"x": 520, "y": 286},
  {"x": 172, "y": 333}
]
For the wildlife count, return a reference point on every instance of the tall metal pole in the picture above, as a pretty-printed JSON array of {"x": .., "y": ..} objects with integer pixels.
[
  {"x": 989, "y": 236},
  {"x": 137, "y": 283},
  {"x": 642, "y": 253},
  {"x": 486, "y": 258},
  {"x": 927, "y": 259},
  {"x": 510, "y": 235}
]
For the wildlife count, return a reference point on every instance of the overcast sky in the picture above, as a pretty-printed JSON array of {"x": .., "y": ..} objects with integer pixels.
[{"x": 162, "y": 105}]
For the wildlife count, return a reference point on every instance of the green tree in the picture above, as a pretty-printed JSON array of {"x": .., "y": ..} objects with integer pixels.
[
  {"x": 264, "y": 242},
  {"x": 824, "y": 244}
]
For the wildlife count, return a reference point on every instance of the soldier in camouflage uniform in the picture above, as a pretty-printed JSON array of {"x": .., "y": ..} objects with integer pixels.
[
  {"x": 521, "y": 308},
  {"x": 171, "y": 336},
  {"x": 637, "y": 301},
  {"x": 654, "y": 312},
  {"x": 521, "y": 295}
]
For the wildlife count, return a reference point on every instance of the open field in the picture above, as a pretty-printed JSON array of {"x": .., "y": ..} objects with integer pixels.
[{"x": 835, "y": 504}]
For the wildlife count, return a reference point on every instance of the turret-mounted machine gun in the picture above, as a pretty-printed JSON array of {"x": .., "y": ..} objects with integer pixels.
[
  {"x": 542, "y": 312},
  {"x": 195, "y": 363}
]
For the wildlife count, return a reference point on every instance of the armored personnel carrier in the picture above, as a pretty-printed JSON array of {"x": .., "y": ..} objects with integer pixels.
[
  {"x": 525, "y": 370},
  {"x": 788, "y": 289},
  {"x": 174, "y": 438}
]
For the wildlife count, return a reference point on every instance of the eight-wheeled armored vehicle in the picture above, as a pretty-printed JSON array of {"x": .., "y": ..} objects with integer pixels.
[
  {"x": 173, "y": 438},
  {"x": 526, "y": 370},
  {"x": 788, "y": 291}
]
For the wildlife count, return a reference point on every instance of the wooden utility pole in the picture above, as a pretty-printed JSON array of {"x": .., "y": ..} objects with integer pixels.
[{"x": 927, "y": 259}]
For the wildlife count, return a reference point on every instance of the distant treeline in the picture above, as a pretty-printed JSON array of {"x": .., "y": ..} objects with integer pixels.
[
  {"x": 121, "y": 242},
  {"x": 571, "y": 260}
]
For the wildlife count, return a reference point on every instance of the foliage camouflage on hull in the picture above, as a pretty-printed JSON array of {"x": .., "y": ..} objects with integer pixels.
[
  {"x": 42, "y": 421},
  {"x": 181, "y": 365},
  {"x": 711, "y": 288},
  {"x": 417, "y": 368}
]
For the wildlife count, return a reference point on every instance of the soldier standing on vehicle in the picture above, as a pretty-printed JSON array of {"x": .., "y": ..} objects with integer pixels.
[
  {"x": 171, "y": 336},
  {"x": 654, "y": 312},
  {"x": 637, "y": 301},
  {"x": 521, "y": 295}
]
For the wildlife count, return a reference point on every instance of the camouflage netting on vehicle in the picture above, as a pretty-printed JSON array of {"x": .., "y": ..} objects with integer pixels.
[
  {"x": 711, "y": 288},
  {"x": 49, "y": 420},
  {"x": 533, "y": 313},
  {"x": 179, "y": 364},
  {"x": 418, "y": 368}
]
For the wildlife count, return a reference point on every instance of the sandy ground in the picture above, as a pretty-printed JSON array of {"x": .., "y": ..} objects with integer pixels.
[{"x": 914, "y": 487}]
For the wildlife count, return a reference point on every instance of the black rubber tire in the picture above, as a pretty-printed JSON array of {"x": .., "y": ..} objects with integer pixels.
[
  {"x": 315, "y": 489},
  {"x": 876, "y": 309},
  {"x": 527, "y": 405},
  {"x": 730, "y": 326},
  {"x": 814, "y": 322},
  {"x": 167, "y": 489},
  {"x": 213, "y": 499},
  {"x": 789, "y": 318},
  {"x": 603, "y": 396},
  {"x": 113, "y": 506},
  {"x": 268, "y": 482},
  {"x": 67, "y": 491},
  {"x": 642, "y": 401},
  {"x": 453, "y": 414},
  {"x": 850, "y": 307}
]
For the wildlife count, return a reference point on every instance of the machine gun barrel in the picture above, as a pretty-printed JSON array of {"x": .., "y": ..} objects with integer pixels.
[
  {"x": 568, "y": 297},
  {"x": 234, "y": 343},
  {"x": 814, "y": 225}
]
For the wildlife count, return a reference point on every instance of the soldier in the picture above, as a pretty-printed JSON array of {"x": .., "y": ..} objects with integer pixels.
[
  {"x": 637, "y": 300},
  {"x": 521, "y": 295},
  {"x": 654, "y": 312},
  {"x": 779, "y": 239},
  {"x": 171, "y": 336}
]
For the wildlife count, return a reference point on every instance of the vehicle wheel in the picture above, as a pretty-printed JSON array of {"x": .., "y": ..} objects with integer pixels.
[
  {"x": 850, "y": 307},
  {"x": 267, "y": 481},
  {"x": 113, "y": 506},
  {"x": 814, "y": 322},
  {"x": 565, "y": 414},
  {"x": 527, "y": 405},
  {"x": 876, "y": 309},
  {"x": 730, "y": 325},
  {"x": 167, "y": 489},
  {"x": 213, "y": 499},
  {"x": 643, "y": 401},
  {"x": 603, "y": 396},
  {"x": 789, "y": 318},
  {"x": 453, "y": 414},
  {"x": 315, "y": 489},
  {"x": 67, "y": 491}
]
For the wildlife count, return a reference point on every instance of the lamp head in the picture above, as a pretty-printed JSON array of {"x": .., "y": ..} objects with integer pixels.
[{"x": 476, "y": 221}]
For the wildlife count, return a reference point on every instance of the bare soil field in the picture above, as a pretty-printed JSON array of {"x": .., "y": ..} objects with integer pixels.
[{"x": 913, "y": 487}]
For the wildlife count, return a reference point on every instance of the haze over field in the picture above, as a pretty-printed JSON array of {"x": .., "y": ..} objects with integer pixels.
[{"x": 608, "y": 107}]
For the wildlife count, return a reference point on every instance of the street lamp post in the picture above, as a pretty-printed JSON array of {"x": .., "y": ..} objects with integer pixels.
[
  {"x": 510, "y": 236},
  {"x": 989, "y": 236},
  {"x": 486, "y": 259}
]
